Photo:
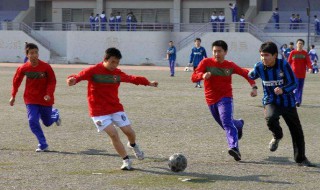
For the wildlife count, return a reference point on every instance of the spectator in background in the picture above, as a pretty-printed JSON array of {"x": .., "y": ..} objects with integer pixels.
[
  {"x": 298, "y": 20},
  {"x": 292, "y": 21},
  {"x": 315, "y": 68},
  {"x": 242, "y": 23},
  {"x": 26, "y": 57},
  {"x": 214, "y": 20},
  {"x": 282, "y": 50},
  {"x": 103, "y": 21},
  {"x": 313, "y": 54},
  {"x": 234, "y": 10},
  {"x": 96, "y": 20},
  {"x": 317, "y": 25},
  {"x": 112, "y": 21},
  {"x": 276, "y": 18},
  {"x": 288, "y": 50},
  {"x": 171, "y": 57},
  {"x": 92, "y": 20},
  {"x": 129, "y": 21},
  {"x": 134, "y": 22},
  {"x": 118, "y": 21},
  {"x": 221, "y": 19}
]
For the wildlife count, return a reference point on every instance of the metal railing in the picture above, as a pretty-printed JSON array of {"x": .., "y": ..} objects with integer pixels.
[{"x": 286, "y": 27}]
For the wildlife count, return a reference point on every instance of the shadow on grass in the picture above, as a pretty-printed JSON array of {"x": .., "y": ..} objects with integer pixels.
[
  {"x": 272, "y": 160},
  {"x": 86, "y": 152},
  {"x": 209, "y": 178}
]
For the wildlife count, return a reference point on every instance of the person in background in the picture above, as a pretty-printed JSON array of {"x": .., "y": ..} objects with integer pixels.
[
  {"x": 118, "y": 21},
  {"x": 112, "y": 21},
  {"x": 103, "y": 21},
  {"x": 92, "y": 21},
  {"x": 214, "y": 20},
  {"x": 234, "y": 11},
  {"x": 197, "y": 54},
  {"x": 171, "y": 57},
  {"x": 221, "y": 20},
  {"x": 276, "y": 18},
  {"x": 242, "y": 23}
]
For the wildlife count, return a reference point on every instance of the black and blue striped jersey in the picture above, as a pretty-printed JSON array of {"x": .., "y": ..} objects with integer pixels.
[{"x": 280, "y": 75}]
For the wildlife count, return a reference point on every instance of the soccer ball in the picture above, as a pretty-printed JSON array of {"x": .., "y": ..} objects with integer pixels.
[
  {"x": 187, "y": 69},
  {"x": 177, "y": 162}
]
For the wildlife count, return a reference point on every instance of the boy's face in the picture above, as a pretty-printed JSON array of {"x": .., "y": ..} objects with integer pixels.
[
  {"x": 33, "y": 55},
  {"x": 112, "y": 63},
  {"x": 299, "y": 45},
  {"x": 170, "y": 44},
  {"x": 218, "y": 53},
  {"x": 268, "y": 59},
  {"x": 197, "y": 43}
]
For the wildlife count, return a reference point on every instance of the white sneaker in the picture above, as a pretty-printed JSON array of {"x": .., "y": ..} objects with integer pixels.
[
  {"x": 127, "y": 164},
  {"x": 137, "y": 152},
  {"x": 42, "y": 150}
]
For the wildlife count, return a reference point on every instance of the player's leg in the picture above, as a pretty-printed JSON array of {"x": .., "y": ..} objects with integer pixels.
[
  {"x": 121, "y": 120},
  {"x": 272, "y": 116},
  {"x": 49, "y": 115},
  {"x": 171, "y": 65},
  {"x": 225, "y": 108},
  {"x": 33, "y": 118}
]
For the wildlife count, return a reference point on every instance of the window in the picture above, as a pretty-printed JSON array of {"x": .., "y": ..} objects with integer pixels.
[
  {"x": 202, "y": 15},
  {"x": 76, "y": 15},
  {"x": 146, "y": 15}
]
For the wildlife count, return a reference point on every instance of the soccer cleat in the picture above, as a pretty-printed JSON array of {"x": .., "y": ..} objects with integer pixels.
[
  {"x": 273, "y": 145},
  {"x": 126, "y": 165},
  {"x": 137, "y": 152},
  {"x": 196, "y": 86},
  {"x": 297, "y": 104},
  {"x": 235, "y": 154},
  {"x": 306, "y": 163},
  {"x": 199, "y": 86},
  {"x": 42, "y": 150}
]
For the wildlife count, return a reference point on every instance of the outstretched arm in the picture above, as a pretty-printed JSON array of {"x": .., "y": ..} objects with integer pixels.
[
  {"x": 200, "y": 73},
  {"x": 17, "y": 79}
]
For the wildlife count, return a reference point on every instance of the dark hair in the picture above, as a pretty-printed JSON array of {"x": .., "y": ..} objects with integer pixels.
[
  {"x": 171, "y": 41},
  {"x": 301, "y": 40},
  {"x": 198, "y": 39},
  {"x": 112, "y": 52},
  {"x": 221, "y": 43},
  {"x": 30, "y": 46},
  {"x": 315, "y": 16},
  {"x": 312, "y": 46},
  {"x": 269, "y": 47},
  {"x": 291, "y": 43}
]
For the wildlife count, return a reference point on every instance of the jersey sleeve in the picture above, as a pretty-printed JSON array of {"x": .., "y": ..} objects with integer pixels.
[
  {"x": 309, "y": 64},
  {"x": 198, "y": 73},
  {"x": 137, "y": 80},
  {"x": 290, "y": 79},
  {"x": 290, "y": 58},
  {"x": 243, "y": 72},
  {"x": 191, "y": 56},
  {"x": 204, "y": 53},
  {"x": 51, "y": 85},
  {"x": 17, "y": 79},
  {"x": 83, "y": 75}
]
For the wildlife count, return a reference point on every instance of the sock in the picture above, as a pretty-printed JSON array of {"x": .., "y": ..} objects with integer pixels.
[{"x": 126, "y": 157}]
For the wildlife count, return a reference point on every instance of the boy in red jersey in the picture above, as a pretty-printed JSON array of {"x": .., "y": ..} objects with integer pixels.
[
  {"x": 38, "y": 93},
  {"x": 299, "y": 61},
  {"x": 216, "y": 73},
  {"x": 105, "y": 108}
]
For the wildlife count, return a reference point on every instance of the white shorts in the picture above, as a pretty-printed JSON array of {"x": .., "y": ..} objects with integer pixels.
[{"x": 120, "y": 119}]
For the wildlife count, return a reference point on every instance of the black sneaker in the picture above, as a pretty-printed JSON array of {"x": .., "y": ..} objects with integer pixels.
[
  {"x": 235, "y": 154},
  {"x": 306, "y": 163},
  {"x": 297, "y": 104},
  {"x": 273, "y": 145}
]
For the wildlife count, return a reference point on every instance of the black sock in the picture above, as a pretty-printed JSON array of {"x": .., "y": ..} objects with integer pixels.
[
  {"x": 133, "y": 145},
  {"x": 126, "y": 157}
]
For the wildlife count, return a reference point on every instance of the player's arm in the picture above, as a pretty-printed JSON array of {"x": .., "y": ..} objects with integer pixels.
[
  {"x": 191, "y": 56},
  {"x": 51, "y": 85},
  {"x": 290, "y": 58},
  {"x": 83, "y": 75},
  {"x": 309, "y": 64},
  {"x": 137, "y": 80},
  {"x": 17, "y": 80},
  {"x": 245, "y": 74},
  {"x": 204, "y": 53},
  {"x": 289, "y": 78},
  {"x": 200, "y": 73}
]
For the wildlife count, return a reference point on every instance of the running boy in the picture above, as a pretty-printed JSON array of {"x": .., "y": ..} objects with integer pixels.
[
  {"x": 38, "y": 94},
  {"x": 299, "y": 61},
  {"x": 197, "y": 54},
  {"x": 105, "y": 108},
  {"x": 216, "y": 73},
  {"x": 278, "y": 83}
]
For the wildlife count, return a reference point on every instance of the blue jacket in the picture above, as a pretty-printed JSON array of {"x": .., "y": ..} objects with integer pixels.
[
  {"x": 172, "y": 53},
  {"x": 197, "y": 54}
]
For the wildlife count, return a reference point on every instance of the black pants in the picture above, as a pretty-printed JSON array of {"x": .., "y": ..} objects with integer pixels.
[{"x": 291, "y": 117}]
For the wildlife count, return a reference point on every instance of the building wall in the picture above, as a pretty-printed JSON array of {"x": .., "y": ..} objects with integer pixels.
[{"x": 12, "y": 47}]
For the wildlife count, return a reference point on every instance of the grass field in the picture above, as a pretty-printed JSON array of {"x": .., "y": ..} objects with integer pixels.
[{"x": 169, "y": 119}]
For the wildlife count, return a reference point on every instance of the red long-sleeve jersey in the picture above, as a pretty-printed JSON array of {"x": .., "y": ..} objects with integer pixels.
[
  {"x": 41, "y": 81},
  {"x": 299, "y": 61},
  {"x": 219, "y": 85},
  {"x": 103, "y": 88}
]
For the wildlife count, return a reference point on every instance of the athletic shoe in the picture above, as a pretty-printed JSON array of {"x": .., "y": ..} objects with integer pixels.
[
  {"x": 273, "y": 145},
  {"x": 306, "y": 163},
  {"x": 240, "y": 129},
  {"x": 297, "y": 104},
  {"x": 126, "y": 165},
  {"x": 235, "y": 154},
  {"x": 42, "y": 150},
  {"x": 58, "y": 122},
  {"x": 137, "y": 152},
  {"x": 196, "y": 86},
  {"x": 199, "y": 86}
]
